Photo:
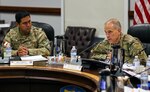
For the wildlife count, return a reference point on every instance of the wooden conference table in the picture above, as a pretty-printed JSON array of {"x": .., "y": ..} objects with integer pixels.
[{"x": 45, "y": 78}]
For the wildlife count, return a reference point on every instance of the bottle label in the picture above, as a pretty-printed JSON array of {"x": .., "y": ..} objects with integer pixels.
[
  {"x": 144, "y": 80},
  {"x": 148, "y": 63},
  {"x": 7, "y": 52},
  {"x": 73, "y": 54},
  {"x": 136, "y": 64},
  {"x": 102, "y": 85}
]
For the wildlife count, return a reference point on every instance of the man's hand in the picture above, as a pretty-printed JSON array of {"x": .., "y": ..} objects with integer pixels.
[
  {"x": 109, "y": 55},
  {"x": 22, "y": 51}
]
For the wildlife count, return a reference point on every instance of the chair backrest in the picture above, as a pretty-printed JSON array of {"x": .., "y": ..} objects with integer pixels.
[
  {"x": 48, "y": 29},
  {"x": 3, "y": 31},
  {"x": 142, "y": 32},
  {"x": 78, "y": 36}
]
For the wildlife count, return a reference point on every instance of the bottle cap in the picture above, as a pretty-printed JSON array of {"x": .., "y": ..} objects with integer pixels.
[
  {"x": 103, "y": 85},
  {"x": 136, "y": 56},
  {"x": 138, "y": 85},
  {"x": 6, "y": 44}
]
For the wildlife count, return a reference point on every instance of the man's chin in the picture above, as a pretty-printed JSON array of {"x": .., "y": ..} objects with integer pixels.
[
  {"x": 27, "y": 32},
  {"x": 111, "y": 42}
]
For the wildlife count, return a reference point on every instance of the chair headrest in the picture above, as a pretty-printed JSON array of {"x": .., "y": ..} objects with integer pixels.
[
  {"x": 141, "y": 31},
  {"x": 48, "y": 29},
  {"x": 78, "y": 36}
]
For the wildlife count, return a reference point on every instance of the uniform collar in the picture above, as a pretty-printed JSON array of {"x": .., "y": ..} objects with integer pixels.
[{"x": 21, "y": 34}]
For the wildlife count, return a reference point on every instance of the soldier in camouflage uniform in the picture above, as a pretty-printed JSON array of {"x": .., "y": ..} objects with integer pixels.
[
  {"x": 131, "y": 45},
  {"x": 26, "y": 39}
]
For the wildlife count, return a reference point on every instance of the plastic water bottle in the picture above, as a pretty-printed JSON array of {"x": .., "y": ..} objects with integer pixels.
[
  {"x": 148, "y": 64},
  {"x": 136, "y": 62},
  {"x": 144, "y": 80},
  {"x": 79, "y": 60},
  {"x": 73, "y": 54},
  {"x": 7, "y": 52},
  {"x": 105, "y": 81},
  {"x": 103, "y": 85}
]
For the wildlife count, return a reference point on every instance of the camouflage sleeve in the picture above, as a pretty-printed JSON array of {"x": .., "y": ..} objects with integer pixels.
[
  {"x": 14, "y": 53},
  {"x": 44, "y": 47},
  {"x": 99, "y": 56},
  {"x": 99, "y": 52},
  {"x": 136, "y": 48},
  {"x": 6, "y": 38}
]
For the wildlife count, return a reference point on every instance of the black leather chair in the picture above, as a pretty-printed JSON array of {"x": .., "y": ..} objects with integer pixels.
[
  {"x": 141, "y": 31},
  {"x": 3, "y": 32},
  {"x": 81, "y": 37},
  {"x": 48, "y": 29}
]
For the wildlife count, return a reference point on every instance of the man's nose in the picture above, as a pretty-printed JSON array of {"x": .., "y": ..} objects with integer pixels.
[
  {"x": 28, "y": 24},
  {"x": 107, "y": 35}
]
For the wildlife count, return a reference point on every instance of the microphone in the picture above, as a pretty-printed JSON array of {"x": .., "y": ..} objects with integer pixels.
[
  {"x": 136, "y": 54},
  {"x": 119, "y": 71},
  {"x": 143, "y": 71},
  {"x": 135, "y": 76},
  {"x": 88, "y": 48},
  {"x": 140, "y": 51}
]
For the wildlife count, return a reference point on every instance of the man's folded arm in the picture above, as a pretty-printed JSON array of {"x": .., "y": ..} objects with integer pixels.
[
  {"x": 35, "y": 51},
  {"x": 99, "y": 56},
  {"x": 39, "y": 51}
]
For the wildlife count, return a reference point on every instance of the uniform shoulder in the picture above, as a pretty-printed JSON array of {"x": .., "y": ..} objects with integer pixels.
[
  {"x": 128, "y": 38},
  {"x": 103, "y": 42},
  {"x": 13, "y": 30},
  {"x": 37, "y": 29}
]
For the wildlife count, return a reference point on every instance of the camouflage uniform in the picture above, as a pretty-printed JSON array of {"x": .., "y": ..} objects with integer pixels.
[
  {"x": 131, "y": 46},
  {"x": 37, "y": 41}
]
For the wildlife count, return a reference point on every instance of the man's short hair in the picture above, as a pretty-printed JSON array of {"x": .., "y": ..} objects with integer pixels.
[
  {"x": 20, "y": 15},
  {"x": 115, "y": 22}
]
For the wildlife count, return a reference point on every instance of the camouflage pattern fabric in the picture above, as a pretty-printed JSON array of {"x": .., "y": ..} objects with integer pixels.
[
  {"x": 131, "y": 45},
  {"x": 37, "y": 41}
]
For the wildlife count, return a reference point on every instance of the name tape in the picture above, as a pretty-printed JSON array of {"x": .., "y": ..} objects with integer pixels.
[
  {"x": 21, "y": 63},
  {"x": 72, "y": 66}
]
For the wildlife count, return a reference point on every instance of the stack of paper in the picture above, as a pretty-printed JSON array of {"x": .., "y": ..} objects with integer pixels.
[
  {"x": 34, "y": 58},
  {"x": 38, "y": 60}
]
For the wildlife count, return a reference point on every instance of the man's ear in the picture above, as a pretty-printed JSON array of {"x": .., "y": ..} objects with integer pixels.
[
  {"x": 17, "y": 24},
  {"x": 119, "y": 29}
]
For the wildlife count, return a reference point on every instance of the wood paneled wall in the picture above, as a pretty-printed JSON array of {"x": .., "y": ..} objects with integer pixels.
[{"x": 35, "y": 10}]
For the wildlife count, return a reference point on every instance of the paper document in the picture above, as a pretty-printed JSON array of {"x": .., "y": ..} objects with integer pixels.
[
  {"x": 34, "y": 58},
  {"x": 4, "y": 25},
  {"x": 128, "y": 66}
]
